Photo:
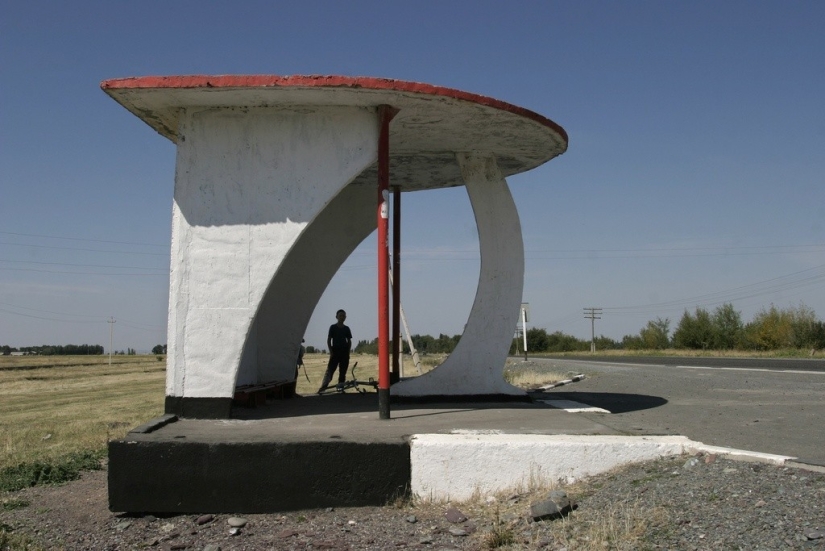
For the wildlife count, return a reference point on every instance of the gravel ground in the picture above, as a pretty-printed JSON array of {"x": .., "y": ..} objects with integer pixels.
[{"x": 690, "y": 503}]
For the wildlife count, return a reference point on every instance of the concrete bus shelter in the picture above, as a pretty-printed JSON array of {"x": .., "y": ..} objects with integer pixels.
[
  {"x": 275, "y": 186},
  {"x": 278, "y": 179}
]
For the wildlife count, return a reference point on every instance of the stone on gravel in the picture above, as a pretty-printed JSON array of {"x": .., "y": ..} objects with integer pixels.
[
  {"x": 234, "y": 531},
  {"x": 212, "y": 547},
  {"x": 121, "y": 526},
  {"x": 555, "y": 506},
  {"x": 815, "y": 534},
  {"x": 411, "y": 519},
  {"x": 168, "y": 527},
  {"x": 458, "y": 532},
  {"x": 454, "y": 515},
  {"x": 203, "y": 519},
  {"x": 236, "y": 522},
  {"x": 690, "y": 463}
]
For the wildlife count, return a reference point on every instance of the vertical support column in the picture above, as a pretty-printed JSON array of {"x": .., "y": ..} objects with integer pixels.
[
  {"x": 395, "y": 375},
  {"x": 385, "y": 115},
  {"x": 476, "y": 366}
]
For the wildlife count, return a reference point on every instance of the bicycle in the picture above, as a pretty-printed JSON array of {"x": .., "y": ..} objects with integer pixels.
[{"x": 352, "y": 383}]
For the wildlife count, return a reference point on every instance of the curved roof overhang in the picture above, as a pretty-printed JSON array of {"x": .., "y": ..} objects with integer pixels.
[{"x": 432, "y": 125}]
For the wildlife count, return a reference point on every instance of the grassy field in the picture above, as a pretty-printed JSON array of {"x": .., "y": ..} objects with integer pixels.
[{"x": 53, "y": 406}]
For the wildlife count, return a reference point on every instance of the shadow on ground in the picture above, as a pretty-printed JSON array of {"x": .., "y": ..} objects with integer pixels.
[
  {"x": 300, "y": 406},
  {"x": 613, "y": 402}
]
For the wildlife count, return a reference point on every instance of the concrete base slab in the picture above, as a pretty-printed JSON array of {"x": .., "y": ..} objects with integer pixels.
[
  {"x": 334, "y": 451},
  {"x": 254, "y": 477}
]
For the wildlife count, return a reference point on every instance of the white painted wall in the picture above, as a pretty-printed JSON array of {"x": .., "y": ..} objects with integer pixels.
[
  {"x": 455, "y": 466},
  {"x": 260, "y": 194},
  {"x": 476, "y": 366}
]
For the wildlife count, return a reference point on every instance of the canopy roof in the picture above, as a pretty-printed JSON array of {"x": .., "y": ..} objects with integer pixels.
[{"x": 433, "y": 123}]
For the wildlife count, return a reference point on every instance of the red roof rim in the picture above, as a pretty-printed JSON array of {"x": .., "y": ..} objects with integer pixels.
[{"x": 320, "y": 81}]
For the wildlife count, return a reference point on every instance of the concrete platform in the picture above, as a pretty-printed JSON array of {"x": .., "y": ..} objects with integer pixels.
[
  {"x": 334, "y": 451},
  {"x": 314, "y": 451}
]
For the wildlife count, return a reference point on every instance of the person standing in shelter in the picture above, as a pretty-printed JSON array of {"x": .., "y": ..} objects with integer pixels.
[
  {"x": 300, "y": 363},
  {"x": 339, "y": 342}
]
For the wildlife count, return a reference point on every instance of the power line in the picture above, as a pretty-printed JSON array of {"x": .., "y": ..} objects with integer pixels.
[
  {"x": 78, "y": 265},
  {"x": 773, "y": 285},
  {"x": 72, "y": 318},
  {"x": 54, "y": 247},
  {"x": 80, "y": 239},
  {"x": 47, "y": 319},
  {"x": 80, "y": 273}
]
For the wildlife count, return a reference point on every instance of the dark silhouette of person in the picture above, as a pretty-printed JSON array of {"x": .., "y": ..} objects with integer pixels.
[{"x": 339, "y": 343}]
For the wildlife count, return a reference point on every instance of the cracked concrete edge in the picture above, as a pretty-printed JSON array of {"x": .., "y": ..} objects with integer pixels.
[
  {"x": 739, "y": 455},
  {"x": 757, "y": 457},
  {"x": 155, "y": 424},
  {"x": 454, "y": 466}
]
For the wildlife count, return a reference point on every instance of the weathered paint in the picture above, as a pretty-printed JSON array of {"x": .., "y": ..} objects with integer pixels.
[
  {"x": 248, "y": 185},
  {"x": 275, "y": 187},
  {"x": 433, "y": 122},
  {"x": 476, "y": 365},
  {"x": 455, "y": 466}
]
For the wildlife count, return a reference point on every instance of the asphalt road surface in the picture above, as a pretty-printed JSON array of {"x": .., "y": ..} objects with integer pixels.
[{"x": 770, "y": 406}]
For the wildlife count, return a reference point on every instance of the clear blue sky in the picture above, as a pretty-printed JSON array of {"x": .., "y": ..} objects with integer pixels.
[{"x": 694, "y": 174}]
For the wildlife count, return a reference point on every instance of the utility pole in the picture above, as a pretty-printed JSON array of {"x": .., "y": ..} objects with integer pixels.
[
  {"x": 111, "y": 321},
  {"x": 593, "y": 314}
]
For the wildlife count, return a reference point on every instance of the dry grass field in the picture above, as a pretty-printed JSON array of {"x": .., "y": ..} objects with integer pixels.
[{"x": 52, "y": 406}]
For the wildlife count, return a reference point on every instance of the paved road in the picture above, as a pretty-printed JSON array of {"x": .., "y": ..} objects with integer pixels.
[
  {"x": 771, "y": 408},
  {"x": 776, "y": 364}
]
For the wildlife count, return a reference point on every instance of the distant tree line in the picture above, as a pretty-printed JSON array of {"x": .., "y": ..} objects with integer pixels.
[
  {"x": 424, "y": 344},
  {"x": 721, "y": 329},
  {"x": 56, "y": 350}
]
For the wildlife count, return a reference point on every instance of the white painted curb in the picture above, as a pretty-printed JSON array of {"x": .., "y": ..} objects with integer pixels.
[
  {"x": 457, "y": 466},
  {"x": 741, "y": 455}
]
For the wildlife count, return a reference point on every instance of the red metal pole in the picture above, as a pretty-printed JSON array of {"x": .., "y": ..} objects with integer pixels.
[
  {"x": 385, "y": 114},
  {"x": 395, "y": 376}
]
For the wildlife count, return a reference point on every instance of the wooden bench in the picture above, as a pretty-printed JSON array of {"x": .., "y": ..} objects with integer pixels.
[{"x": 256, "y": 395}]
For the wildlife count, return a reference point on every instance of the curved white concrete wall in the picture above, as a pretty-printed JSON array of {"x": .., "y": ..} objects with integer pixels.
[
  {"x": 476, "y": 366},
  {"x": 303, "y": 276},
  {"x": 248, "y": 184}
]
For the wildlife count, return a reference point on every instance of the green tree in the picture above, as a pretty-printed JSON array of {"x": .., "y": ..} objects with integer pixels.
[
  {"x": 769, "y": 330},
  {"x": 562, "y": 342},
  {"x": 804, "y": 327},
  {"x": 632, "y": 342},
  {"x": 727, "y": 327},
  {"x": 694, "y": 331},
  {"x": 537, "y": 340},
  {"x": 606, "y": 343},
  {"x": 655, "y": 335}
]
